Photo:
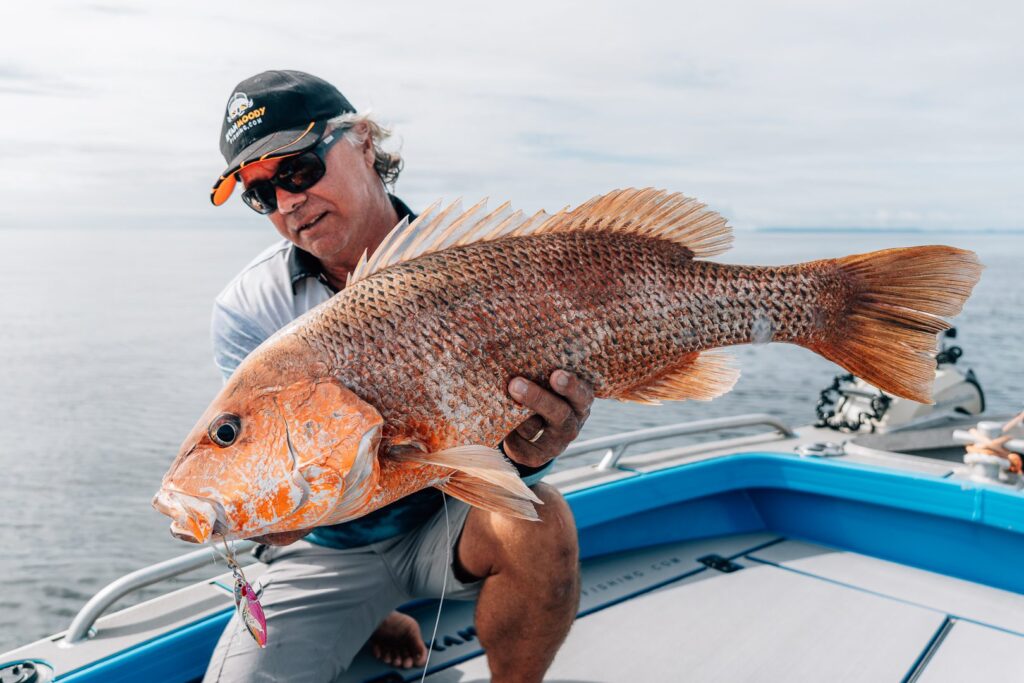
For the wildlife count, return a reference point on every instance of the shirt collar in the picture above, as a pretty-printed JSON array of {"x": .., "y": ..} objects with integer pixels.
[{"x": 302, "y": 264}]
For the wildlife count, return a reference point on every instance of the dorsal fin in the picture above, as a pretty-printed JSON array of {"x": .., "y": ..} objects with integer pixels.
[{"x": 653, "y": 213}]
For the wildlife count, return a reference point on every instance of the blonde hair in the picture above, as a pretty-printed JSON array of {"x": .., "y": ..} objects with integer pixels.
[{"x": 357, "y": 126}]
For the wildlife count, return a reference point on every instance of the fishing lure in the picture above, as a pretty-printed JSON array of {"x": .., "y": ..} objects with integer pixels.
[{"x": 247, "y": 601}]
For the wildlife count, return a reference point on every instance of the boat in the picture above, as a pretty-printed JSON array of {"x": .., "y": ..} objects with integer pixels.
[{"x": 869, "y": 546}]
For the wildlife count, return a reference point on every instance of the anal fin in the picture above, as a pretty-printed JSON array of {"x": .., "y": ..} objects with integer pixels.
[
  {"x": 483, "y": 478},
  {"x": 700, "y": 377},
  {"x": 487, "y": 496}
]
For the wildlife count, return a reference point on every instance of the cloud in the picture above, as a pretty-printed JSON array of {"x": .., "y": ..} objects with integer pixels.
[
  {"x": 112, "y": 8},
  {"x": 19, "y": 80},
  {"x": 563, "y": 148},
  {"x": 788, "y": 113}
]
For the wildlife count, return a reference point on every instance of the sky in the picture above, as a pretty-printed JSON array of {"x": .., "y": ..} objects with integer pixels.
[{"x": 801, "y": 113}]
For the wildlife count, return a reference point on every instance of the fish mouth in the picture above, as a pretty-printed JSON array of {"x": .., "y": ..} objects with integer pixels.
[
  {"x": 193, "y": 519},
  {"x": 196, "y": 519}
]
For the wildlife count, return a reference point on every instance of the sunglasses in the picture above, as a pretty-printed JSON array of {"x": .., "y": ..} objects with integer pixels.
[{"x": 294, "y": 174}]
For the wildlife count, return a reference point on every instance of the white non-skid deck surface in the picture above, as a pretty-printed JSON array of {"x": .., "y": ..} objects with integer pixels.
[
  {"x": 796, "y": 612},
  {"x": 746, "y": 626},
  {"x": 976, "y": 653},
  {"x": 605, "y": 581}
]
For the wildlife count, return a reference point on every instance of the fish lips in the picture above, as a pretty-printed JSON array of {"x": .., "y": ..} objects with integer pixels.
[{"x": 194, "y": 519}]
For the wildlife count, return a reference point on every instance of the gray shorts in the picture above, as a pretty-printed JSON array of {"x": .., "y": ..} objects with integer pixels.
[{"x": 323, "y": 604}]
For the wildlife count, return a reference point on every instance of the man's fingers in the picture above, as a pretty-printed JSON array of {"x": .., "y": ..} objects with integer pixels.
[
  {"x": 557, "y": 420},
  {"x": 524, "y": 452},
  {"x": 555, "y": 411},
  {"x": 531, "y": 428},
  {"x": 579, "y": 394}
]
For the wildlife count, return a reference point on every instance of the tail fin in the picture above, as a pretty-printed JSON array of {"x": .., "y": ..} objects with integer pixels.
[{"x": 900, "y": 299}]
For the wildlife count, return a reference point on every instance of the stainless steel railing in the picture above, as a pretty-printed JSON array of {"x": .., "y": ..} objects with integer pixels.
[
  {"x": 617, "y": 444},
  {"x": 129, "y": 583}
]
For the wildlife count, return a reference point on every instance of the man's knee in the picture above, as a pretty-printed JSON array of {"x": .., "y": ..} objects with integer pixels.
[
  {"x": 553, "y": 536},
  {"x": 556, "y": 531},
  {"x": 548, "y": 548},
  {"x": 544, "y": 553},
  {"x": 496, "y": 543}
]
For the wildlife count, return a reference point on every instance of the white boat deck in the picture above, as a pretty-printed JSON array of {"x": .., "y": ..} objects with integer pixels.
[{"x": 791, "y": 612}]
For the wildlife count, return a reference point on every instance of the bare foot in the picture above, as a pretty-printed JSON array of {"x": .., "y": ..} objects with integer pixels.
[{"x": 397, "y": 642}]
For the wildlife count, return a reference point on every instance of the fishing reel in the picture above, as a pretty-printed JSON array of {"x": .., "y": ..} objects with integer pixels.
[{"x": 850, "y": 404}]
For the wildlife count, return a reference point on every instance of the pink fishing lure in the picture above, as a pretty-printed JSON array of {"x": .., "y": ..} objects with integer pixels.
[{"x": 247, "y": 603}]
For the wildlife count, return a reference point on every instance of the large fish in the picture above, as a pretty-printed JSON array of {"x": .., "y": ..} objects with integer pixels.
[{"x": 398, "y": 382}]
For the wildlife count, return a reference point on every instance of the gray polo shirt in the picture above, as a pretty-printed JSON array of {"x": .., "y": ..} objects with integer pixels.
[{"x": 277, "y": 286}]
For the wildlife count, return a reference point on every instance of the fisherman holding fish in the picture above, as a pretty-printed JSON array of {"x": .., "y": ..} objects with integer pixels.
[
  {"x": 405, "y": 382},
  {"x": 315, "y": 167}
]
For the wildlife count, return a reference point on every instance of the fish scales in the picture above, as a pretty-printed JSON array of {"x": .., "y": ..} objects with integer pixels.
[{"x": 616, "y": 309}]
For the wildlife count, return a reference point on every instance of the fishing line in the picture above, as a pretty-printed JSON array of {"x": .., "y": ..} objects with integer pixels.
[
  {"x": 444, "y": 584},
  {"x": 224, "y": 555}
]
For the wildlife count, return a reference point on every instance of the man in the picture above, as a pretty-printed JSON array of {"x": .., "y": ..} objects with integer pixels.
[{"x": 315, "y": 167}]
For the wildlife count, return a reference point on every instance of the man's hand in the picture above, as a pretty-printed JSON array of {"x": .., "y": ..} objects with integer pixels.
[{"x": 557, "y": 421}]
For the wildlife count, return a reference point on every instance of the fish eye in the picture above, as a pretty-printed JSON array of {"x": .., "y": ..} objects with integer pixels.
[{"x": 224, "y": 430}]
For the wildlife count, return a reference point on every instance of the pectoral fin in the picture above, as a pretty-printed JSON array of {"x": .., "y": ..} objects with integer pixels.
[{"x": 482, "y": 478}]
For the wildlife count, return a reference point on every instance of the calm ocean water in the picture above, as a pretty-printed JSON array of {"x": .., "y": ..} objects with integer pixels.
[{"x": 105, "y": 366}]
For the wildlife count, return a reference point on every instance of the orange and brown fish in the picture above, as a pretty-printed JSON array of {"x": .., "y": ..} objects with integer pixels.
[{"x": 418, "y": 349}]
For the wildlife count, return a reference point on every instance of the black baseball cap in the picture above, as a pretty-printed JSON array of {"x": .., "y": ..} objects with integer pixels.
[{"x": 270, "y": 115}]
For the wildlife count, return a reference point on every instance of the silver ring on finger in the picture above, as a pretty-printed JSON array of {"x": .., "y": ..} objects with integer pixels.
[{"x": 540, "y": 433}]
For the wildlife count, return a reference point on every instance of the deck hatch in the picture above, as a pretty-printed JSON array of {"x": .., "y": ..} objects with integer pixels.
[{"x": 722, "y": 564}]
